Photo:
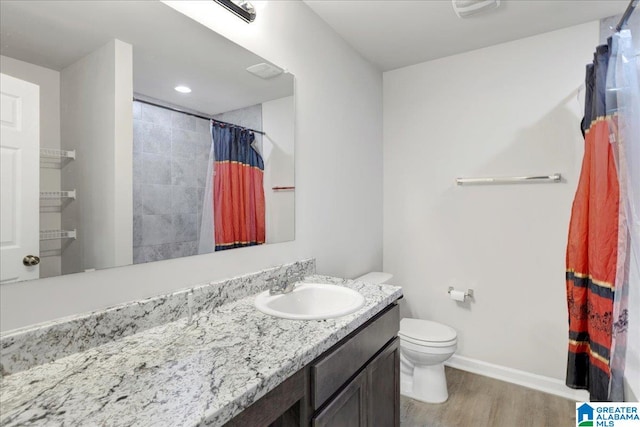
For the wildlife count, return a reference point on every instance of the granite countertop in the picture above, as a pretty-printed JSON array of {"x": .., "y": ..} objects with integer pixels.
[{"x": 199, "y": 373}]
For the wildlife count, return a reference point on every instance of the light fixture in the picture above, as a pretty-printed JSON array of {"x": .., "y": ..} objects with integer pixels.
[
  {"x": 465, "y": 8},
  {"x": 182, "y": 89},
  {"x": 241, "y": 8}
]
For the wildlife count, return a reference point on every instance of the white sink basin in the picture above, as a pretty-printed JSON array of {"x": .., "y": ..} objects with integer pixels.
[{"x": 311, "y": 301}]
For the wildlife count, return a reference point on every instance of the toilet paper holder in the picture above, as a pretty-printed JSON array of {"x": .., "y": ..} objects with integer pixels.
[{"x": 467, "y": 294}]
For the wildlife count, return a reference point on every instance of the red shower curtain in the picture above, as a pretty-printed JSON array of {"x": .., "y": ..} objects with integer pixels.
[
  {"x": 239, "y": 206},
  {"x": 592, "y": 245}
]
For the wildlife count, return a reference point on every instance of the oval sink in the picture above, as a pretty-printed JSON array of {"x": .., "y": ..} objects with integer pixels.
[{"x": 311, "y": 301}]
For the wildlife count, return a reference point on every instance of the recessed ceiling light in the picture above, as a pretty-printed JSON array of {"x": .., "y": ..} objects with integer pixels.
[{"x": 183, "y": 89}]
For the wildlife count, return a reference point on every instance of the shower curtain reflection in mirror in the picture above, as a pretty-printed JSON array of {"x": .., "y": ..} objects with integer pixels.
[{"x": 234, "y": 203}]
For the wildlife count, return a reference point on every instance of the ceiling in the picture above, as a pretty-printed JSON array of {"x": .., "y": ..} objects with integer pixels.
[
  {"x": 169, "y": 49},
  {"x": 397, "y": 33}
]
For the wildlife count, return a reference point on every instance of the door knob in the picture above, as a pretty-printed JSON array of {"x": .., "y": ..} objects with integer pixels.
[{"x": 31, "y": 260}]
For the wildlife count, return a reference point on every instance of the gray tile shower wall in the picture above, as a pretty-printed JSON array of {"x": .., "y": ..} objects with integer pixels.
[
  {"x": 35, "y": 345},
  {"x": 171, "y": 153}
]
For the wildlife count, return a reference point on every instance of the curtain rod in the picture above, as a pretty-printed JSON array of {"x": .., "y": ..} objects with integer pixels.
[
  {"x": 177, "y": 110},
  {"x": 627, "y": 14}
]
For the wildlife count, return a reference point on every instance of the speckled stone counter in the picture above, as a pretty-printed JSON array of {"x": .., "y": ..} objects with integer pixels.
[
  {"x": 34, "y": 345},
  {"x": 179, "y": 373}
]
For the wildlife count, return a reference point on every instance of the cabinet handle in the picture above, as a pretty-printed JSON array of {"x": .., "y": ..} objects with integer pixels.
[{"x": 31, "y": 260}]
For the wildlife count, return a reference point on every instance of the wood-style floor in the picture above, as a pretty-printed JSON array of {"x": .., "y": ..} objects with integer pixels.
[{"x": 477, "y": 401}]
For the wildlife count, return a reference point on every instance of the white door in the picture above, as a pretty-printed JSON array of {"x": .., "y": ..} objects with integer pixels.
[{"x": 19, "y": 178}]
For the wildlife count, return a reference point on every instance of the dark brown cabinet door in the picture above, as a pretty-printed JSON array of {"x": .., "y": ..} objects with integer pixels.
[
  {"x": 349, "y": 408},
  {"x": 383, "y": 387}
]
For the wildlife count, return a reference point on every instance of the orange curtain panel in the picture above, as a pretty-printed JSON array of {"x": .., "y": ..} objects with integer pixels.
[
  {"x": 239, "y": 207},
  {"x": 593, "y": 244}
]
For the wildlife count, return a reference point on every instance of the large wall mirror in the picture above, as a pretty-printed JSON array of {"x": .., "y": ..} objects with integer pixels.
[{"x": 131, "y": 134}]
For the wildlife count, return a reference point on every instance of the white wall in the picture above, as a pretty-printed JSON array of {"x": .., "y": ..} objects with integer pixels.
[
  {"x": 122, "y": 177},
  {"x": 97, "y": 121},
  {"x": 509, "y": 109},
  {"x": 49, "y": 82},
  {"x": 338, "y": 180},
  {"x": 277, "y": 123}
]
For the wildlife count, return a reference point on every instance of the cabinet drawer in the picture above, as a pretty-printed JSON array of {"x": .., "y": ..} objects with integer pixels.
[{"x": 333, "y": 370}]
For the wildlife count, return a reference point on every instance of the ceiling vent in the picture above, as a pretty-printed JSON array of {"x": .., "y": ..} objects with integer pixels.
[
  {"x": 466, "y": 8},
  {"x": 265, "y": 71}
]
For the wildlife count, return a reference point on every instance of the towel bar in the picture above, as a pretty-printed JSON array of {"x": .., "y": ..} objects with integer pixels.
[{"x": 556, "y": 177}]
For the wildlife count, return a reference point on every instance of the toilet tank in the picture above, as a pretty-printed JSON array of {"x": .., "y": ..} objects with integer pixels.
[{"x": 376, "y": 277}]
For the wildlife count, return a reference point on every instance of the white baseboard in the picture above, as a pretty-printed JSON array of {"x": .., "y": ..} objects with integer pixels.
[{"x": 515, "y": 376}]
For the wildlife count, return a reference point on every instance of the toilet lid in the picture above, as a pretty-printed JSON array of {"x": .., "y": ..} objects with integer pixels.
[{"x": 426, "y": 330}]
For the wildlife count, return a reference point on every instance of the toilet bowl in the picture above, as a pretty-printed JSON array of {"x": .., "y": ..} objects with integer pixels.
[{"x": 424, "y": 347}]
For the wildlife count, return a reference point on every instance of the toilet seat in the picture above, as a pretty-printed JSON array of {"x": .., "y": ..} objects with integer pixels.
[
  {"x": 427, "y": 333},
  {"x": 423, "y": 343}
]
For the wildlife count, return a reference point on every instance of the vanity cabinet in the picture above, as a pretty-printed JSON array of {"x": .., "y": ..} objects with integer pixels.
[
  {"x": 348, "y": 408},
  {"x": 355, "y": 383},
  {"x": 372, "y": 398},
  {"x": 383, "y": 387}
]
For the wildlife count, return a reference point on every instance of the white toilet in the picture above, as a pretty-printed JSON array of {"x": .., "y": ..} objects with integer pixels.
[{"x": 424, "y": 347}]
